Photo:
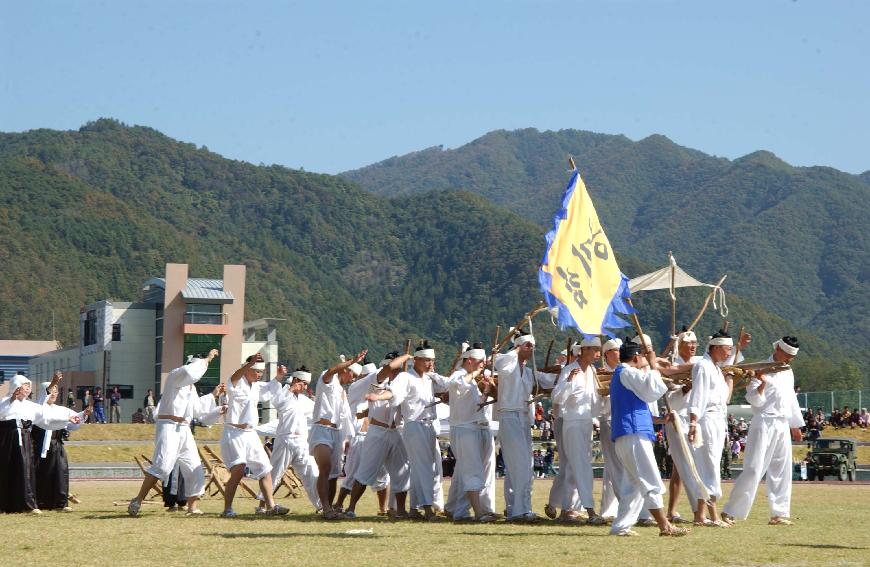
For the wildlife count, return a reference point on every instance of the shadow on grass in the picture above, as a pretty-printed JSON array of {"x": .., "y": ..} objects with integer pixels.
[
  {"x": 821, "y": 546},
  {"x": 289, "y": 535},
  {"x": 571, "y": 533}
]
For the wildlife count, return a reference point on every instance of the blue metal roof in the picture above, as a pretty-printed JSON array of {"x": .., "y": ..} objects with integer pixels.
[{"x": 206, "y": 291}]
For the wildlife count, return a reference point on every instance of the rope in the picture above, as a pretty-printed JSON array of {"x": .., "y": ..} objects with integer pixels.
[
  {"x": 534, "y": 363},
  {"x": 723, "y": 311}
]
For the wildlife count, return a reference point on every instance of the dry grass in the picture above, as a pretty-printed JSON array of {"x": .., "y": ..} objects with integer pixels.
[
  {"x": 98, "y": 532},
  {"x": 131, "y": 432}
]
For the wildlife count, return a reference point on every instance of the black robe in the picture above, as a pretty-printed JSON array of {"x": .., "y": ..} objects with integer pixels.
[
  {"x": 17, "y": 474},
  {"x": 52, "y": 472}
]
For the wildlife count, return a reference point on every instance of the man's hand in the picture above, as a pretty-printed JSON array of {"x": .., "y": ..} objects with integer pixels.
[
  {"x": 255, "y": 359},
  {"x": 212, "y": 354},
  {"x": 222, "y": 410},
  {"x": 219, "y": 390},
  {"x": 744, "y": 340},
  {"x": 573, "y": 373},
  {"x": 693, "y": 428},
  {"x": 361, "y": 355},
  {"x": 75, "y": 419},
  {"x": 280, "y": 373},
  {"x": 796, "y": 435}
]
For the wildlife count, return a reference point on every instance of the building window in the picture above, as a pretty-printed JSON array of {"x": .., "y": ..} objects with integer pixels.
[
  {"x": 89, "y": 334},
  {"x": 204, "y": 313},
  {"x": 116, "y": 332}
]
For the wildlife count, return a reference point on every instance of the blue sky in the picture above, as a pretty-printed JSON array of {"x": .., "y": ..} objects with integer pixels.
[{"x": 331, "y": 86}]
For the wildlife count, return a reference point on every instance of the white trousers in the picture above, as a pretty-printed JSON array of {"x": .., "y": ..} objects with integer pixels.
[
  {"x": 333, "y": 439},
  {"x": 681, "y": 461},
  {"x": 515, "y": 438},
  {"x": 609, "y": 502},
  {"x": 639, "y": 484},
  {"x": 577, "y": 440},
  {"x": 768, "y": 454},
  {"x": 474, "y": 470},
  {"x": 424, "y": 457},
  {"x": 243, "y": 447},
  {"x": 383, "y": 447},
  {"x": 173, "y": 445},
  {"x": 709, "y": 455},
  {"x": 290, "y": 451},
  {"x": 563, "y": 492},
  {"x": 351, "y": 465}
]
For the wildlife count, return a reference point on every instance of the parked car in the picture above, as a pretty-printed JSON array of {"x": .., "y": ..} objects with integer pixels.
[{"x": 832, "y": 456}]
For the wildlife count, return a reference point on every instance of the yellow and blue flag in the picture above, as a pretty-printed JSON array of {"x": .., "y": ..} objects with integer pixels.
[{"x": 578, "y": 274}]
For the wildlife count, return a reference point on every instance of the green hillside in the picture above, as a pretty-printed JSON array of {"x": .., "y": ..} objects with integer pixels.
[
  {"x": 91, "y": 214},
  {"x": 794, "y": 240}
]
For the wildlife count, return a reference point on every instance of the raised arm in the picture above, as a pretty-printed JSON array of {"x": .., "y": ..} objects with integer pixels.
[{"x": 327, "y": 377}]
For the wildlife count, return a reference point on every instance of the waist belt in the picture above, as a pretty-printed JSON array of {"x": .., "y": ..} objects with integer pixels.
[
  {"x": 373, "y": 421},
  {"x": 239, "y": 425},
  {"x": 174, "y": 418},
  {"x": 326, "y": 422}
]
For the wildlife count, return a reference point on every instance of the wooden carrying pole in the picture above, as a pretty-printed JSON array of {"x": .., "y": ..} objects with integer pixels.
[{"x": 527, "y": 317}]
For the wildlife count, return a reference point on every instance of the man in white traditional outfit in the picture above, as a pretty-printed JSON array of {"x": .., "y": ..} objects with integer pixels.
[
  {"x": 516, "y": 381},
  {"x": 416, "y": 399},
  {"x": 471, "y": 439},
  {"x": 174, "y": 445},
  {"x": 356, "y": 399},
  {"x": 577, "y": 395},
  {"x": 331, "y": 416},
  {"x": 240, "y": 445},
  {"x": 687, "y": 346},
  {"x": 17, "y": 416},
  {"x": 776, "y": 422},
  {"x": 635, "y": 384},
  {"x": 290, "y": 441},
  {"x": 383, "y": 444},
  {"x": 563, "y": 491},
  {"x": 609, "y": 503},
  {"x": 708, "y": 408}
]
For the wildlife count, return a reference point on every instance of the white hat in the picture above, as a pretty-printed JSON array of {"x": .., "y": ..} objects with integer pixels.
[
  {"x": 43, "y": 392},
  {"x": 355, "y": 368},
  {"x": 302, "y": 375},
  {"x": 424, "y": 351},
  {"x": 17, "y": 381},
  {"x": 721, "y": 341},
  {"x": 688, "y": 337},
  {"x": 258, "y": 366},
  {"x": 611, "y": 344},
  {"x": 368, "y": 369},
  {"x": 593, "y": 342}
]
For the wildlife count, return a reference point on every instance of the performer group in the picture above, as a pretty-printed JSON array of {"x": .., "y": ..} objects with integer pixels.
[{"x": 377, "y": 426}]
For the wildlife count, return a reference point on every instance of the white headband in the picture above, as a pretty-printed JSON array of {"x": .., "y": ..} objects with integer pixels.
[
  {"x": 384, "y": 362},
  {"x": 475, "y": 353},
  {"x": 355, "y": 368},
  {"x": 368, "y": 369},
  {"x": 721, "y": 341},
  {"x": 688, "y": 337},
  {"x": 258, "y": 366},
  {"x": 17, "y": 381},
  {"x": 425, "y": 353},
  {"x": 611, "y": 345},
  {"x": 786, "y": 348},
  {"x": 519, "y": 341},
  {"x": 593, "y": 342},
  {"x": 302, "y": 375},
  {"x": 646, "y": 339},
  {"x": 564, "y": 352}
]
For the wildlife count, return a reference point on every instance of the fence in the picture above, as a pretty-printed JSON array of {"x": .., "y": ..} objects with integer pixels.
[{"x": 834, "y": 399}]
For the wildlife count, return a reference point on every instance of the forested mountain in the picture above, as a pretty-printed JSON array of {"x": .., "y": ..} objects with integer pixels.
[
  {"x": 91, "y": 214},
  {"x": 793, "y": 239}
]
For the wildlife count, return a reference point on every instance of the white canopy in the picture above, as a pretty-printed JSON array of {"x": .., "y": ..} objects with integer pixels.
[{"x": 661, "y": 279}]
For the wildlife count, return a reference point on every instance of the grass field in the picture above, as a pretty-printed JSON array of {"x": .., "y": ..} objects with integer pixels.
[{"x": 829, "y": 531}]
